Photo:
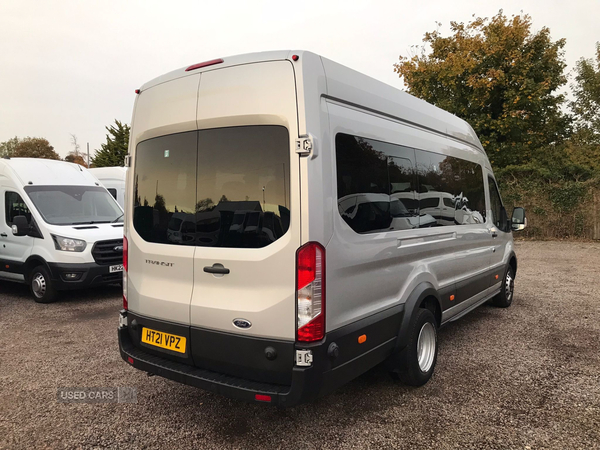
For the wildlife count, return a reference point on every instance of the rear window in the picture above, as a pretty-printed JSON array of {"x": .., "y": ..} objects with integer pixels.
[{"x": 224, "y": 187}]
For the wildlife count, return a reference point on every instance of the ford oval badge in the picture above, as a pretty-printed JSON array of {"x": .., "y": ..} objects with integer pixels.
[{"x": 241, "y": 323}]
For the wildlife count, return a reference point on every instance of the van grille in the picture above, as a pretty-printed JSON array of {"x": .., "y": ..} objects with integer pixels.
[{"x": 105, "y": 252}]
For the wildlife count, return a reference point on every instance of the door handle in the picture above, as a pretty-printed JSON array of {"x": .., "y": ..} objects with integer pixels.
[
  {"x": 4, "y": 235},
  {"x": 494, "y": 234},
  {"x": 217, "y": 268}
]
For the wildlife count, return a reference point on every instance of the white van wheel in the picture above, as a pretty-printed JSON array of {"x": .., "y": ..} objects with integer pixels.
[{"x": 41, "y": 285}]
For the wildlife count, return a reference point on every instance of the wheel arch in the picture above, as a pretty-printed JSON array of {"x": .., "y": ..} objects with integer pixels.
[
  {"x": 424, "y": 295},
  {"x": 34, "y": 261},
  {"x": 512, "y": 262}
]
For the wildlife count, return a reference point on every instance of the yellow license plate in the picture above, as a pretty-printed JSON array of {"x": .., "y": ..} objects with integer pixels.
[{"x": 163, "y": 340}]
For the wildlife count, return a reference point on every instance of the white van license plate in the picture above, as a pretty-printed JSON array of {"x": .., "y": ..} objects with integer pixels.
[{"x": 117, "y": 268}]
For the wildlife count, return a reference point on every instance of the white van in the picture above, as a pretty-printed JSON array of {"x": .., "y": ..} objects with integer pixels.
[
  {"x": 113, "y": 179},
  {"x": 304, "y": 178},
  {"x": 61, "y": 229}
]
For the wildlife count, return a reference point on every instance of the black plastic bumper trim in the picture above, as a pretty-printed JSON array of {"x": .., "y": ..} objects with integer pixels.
[
  {"x": 92, "y": 274},
  {"x": 307, "y": 383}
]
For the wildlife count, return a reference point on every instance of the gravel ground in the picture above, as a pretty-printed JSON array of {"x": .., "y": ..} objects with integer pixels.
[{"x": 525, "y": 377}]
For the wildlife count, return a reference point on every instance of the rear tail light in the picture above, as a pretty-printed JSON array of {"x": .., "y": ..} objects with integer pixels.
[
  {"x": 125, "y": 247},
  {"x": 310, "y": 292},
  {"x": 125, "y": 257}
]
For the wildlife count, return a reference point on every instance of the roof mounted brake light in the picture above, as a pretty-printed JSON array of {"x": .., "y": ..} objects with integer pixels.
[{"x": 204, "y": 64}]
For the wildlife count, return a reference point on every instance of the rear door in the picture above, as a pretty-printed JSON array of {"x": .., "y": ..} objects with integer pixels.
[
  {"x": 160, "y": 263},
  {"x": 247, "y": 210}
]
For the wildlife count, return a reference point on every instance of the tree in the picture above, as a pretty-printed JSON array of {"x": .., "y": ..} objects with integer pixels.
[
  {"x": 34, "y": 148},
  {"x": 74, "y": 155},
  {"x": 586, "y": 106},
  {"x": 8, "y": 147},
  {"x": 113, "y": 152},
  {"x": 77, "y": 159},
  {"x": 498, "y": 76},
  {"x": 205, "y": 204}
]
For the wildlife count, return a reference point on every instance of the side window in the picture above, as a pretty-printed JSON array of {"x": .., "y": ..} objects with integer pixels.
[
  {"x": 472, "y": 194},
  {"x": 15, "y": 206},
  {"x": 495, "y": 204},
  {"x": 376, "y": 184},
  {"x": 451, "y": 190},
  {"x": 435, "y": 175},
  {"x": 113, "y": 192}
]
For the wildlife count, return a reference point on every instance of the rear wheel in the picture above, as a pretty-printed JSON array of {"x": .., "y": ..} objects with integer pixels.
[
  {"x": 505, "y": 296},
  {"x": 41, "y": 285},
  {"x": 415, "y": 364}
]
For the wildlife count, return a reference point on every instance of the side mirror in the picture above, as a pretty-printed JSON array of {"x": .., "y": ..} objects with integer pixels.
[
  {"x": 20, "y": 226},
  {"x": 518, "y": 221}
]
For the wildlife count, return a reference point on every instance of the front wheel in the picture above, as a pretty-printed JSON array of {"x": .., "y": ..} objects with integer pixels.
[
  {"x": 505, "y": 297},
  {"x": 415, "y": 364},
  {"x": 41, "y": 285}
]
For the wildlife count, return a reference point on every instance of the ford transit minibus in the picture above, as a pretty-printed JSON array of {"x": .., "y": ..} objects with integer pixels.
[{"x": 291, "y": 223}]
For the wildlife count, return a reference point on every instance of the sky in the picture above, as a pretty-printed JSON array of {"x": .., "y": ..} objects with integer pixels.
[{"x": 71, "y": 67}]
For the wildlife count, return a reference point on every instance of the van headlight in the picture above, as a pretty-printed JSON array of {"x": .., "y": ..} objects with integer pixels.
[{"x": 68, "y": 244}]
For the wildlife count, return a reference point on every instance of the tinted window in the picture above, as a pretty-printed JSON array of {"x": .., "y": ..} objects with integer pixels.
[
  {"x": 113, "y": 192},
  {"x": 243, "y": 193},
  {"x": 376, "y": 184},
  {"x": 165, "y": 187},
  {"x": 74, "y": 205},
  {"x": 427, "y": 203},
  {"x": 226, "y": 187},
  {"x": 451, "y": 190},
  {"x": 496, "y": 205},
  {"x": 15, "y": 206}
]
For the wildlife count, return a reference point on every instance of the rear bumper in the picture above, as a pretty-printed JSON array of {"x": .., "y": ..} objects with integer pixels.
[
  {"x": 226, "y": 385},
  {"x": 89, "y": 274},
  {"x": 326, "y": 373}
]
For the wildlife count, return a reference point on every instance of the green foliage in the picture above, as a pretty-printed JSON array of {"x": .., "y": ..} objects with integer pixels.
[
  {"x": 113, "y": 152},
  {"x": 567, "y": 196},
  {"x": 7, "y": 147},
  {"x": 500, "y": 77},
  {"x": 586, "y": 106},
  {"x": 34, "y": 148}
]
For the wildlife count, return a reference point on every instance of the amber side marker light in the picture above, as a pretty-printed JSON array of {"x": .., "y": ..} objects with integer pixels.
[
  {"x": 496, "y": 277},
  {"x": 452, "y": 297},
  {"x": 362, "y": 339}
]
